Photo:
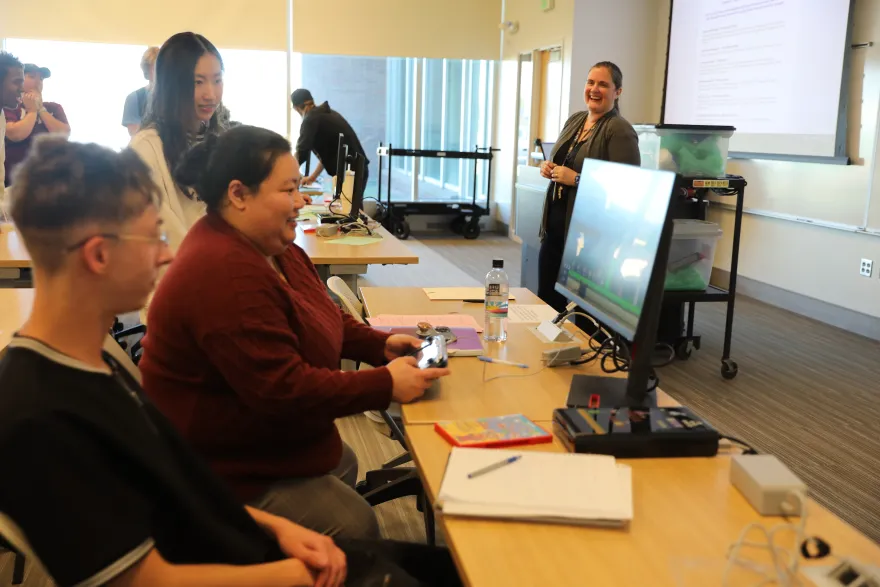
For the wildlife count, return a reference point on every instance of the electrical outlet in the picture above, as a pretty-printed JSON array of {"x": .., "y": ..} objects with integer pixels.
[{"x": 867, "y": 268}]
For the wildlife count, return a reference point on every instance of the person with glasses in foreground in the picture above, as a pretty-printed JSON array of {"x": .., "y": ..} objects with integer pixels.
[{"x": 95, "y": 478}]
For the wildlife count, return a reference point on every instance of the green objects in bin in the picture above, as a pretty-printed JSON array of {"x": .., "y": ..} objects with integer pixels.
[
  {"x": 695, "y": 154},
  {"x": 686, "y": 279}
]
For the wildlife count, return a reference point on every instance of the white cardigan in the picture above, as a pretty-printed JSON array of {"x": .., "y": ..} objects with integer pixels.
[{"x": 178, "y": 212}]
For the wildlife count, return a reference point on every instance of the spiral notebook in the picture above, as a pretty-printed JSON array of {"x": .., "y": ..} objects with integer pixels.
[{"x": 563, "y": 488}]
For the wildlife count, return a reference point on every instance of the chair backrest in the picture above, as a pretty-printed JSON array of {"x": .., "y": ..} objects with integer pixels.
[
  {"x": 12, "y": 534},
  {"x": 116, "y": 351},
  {"x": 350, "y": 303}
]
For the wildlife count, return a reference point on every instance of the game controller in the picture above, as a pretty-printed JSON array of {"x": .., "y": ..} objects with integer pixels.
[{"x": 433, "y": 354}]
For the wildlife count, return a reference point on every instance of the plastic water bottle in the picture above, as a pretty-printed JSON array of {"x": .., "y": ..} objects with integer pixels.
[{"x": 497, "y": 291}]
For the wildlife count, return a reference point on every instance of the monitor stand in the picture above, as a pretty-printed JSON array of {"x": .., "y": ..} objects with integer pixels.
[{"x": 611, "y": 392}]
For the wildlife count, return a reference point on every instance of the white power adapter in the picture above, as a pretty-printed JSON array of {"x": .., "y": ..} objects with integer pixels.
[
  {"x": 561, "y": 355},
  {"x": 767, "y": 484}
]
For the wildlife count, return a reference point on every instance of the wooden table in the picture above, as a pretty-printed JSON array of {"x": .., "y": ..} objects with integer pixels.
[
  {"x": 15, "y": 263},
  {"x": 534, "y": 392},
  {"x": 686, "y": 515},
  {"x": 686, "y": 512},
  {"x": 349, "y": 261},
  {"x": 15, "y": 305},
  {"x": 330, "y": 259}
]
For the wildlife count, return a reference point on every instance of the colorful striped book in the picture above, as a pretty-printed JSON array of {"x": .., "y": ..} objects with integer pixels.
[{"x": 493, "y": 432}]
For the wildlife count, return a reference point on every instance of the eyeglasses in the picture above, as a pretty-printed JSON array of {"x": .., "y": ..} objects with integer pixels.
[{"x": 161, "y": 238}]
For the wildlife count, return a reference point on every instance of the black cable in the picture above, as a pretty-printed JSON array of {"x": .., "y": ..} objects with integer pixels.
[{"x": 747, "y": 448}]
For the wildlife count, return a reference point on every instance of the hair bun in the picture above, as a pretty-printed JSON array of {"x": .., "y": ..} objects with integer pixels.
[{"x": 192, "y": 167}]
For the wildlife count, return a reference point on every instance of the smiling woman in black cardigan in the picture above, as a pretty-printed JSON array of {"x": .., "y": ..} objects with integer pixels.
[{"x": 599, "y": 132}]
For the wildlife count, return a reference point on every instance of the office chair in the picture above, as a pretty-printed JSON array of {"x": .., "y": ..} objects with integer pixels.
[
  {"x": 391, "y": 481},
  {"x": 353, "y": 307},
  {"x": 13, "y": 539},
  {"x": 121, "y": 334}
]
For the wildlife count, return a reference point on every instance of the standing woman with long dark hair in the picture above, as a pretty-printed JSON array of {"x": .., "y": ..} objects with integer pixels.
[
  {"x": 599, "y": 132},
  {"x": 185, "y": 106}
]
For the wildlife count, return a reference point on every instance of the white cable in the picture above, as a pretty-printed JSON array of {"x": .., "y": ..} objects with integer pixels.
[
  {"x": 783, "y": 571},
  {"x": 544, "y": 366}
]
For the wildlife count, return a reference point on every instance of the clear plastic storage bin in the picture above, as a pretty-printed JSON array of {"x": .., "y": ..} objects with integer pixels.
[
  {"x": 692, "y": 151},
  {"x": 691, "y": 255}
]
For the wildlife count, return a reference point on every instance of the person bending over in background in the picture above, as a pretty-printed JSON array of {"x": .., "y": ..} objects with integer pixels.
[
  {"x": 244, "y": 343},
  {"x": 11, "y": 84},
  {"x": 136, "y": 102},
  {"x": 319, "y": 133},
  {"x": 106, "y": 492},
  {"x": 184, "y": 108},
  {"x": 599, "y": 132},
  {"x": 31, "y": 118}
]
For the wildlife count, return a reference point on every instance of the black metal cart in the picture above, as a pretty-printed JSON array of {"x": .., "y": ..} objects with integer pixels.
[
  {"x": 467, "y": 214},
  {"x": 728, "y": 185}
]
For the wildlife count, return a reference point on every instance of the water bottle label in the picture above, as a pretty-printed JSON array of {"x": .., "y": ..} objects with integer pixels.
[
  {"x": 493, "y": 289},
  {"x": 496, "y": 308}
]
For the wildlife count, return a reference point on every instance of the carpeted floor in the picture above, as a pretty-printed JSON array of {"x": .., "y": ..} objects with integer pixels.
[{"x": 805, "y": 392}]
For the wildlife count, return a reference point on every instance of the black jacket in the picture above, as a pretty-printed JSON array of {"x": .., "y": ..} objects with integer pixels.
[
  {"x": 614, "y": 139},
  {"x": 319, "y": 133}
]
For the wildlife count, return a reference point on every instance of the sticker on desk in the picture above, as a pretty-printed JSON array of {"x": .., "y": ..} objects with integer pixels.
[{"x": 711, "y": 183}]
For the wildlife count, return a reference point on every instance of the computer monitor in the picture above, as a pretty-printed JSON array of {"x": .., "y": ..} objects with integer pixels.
[
  {"x": 614, "y": 267},
  {"x": 341, "y": 158}
]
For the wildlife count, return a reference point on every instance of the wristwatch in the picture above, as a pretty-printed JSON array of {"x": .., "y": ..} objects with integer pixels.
[{"x": 577, "y": 180}]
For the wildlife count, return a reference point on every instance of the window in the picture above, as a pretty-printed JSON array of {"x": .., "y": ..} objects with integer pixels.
[
  {"x": 453, "y": 129},
  {"x": 432, "y": 117},
  {"x": 255, "y": 87},
  {"x": 92, "y": 80},
  {"x": 409, "y": 102}
]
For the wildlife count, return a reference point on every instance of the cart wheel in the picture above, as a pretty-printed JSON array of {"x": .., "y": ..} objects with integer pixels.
[
  {"x": 457, "y": 224},
  {"x": 401, "y": 229},
  {"x": 472, "y": 229},
  {"x": 729, "y": 368},
  {"x": 683, "y": 350}
]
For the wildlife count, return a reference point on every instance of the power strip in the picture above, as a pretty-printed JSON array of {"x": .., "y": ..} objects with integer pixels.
[
  {"x": 561, "y": 355},
  {"x": 848, "y": 573}
]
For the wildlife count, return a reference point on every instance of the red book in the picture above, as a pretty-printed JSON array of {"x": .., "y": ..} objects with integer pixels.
[{"x": 494, "y": 432}]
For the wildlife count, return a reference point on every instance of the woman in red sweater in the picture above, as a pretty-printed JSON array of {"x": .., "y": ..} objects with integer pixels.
[{"x": 244, "y": 343}]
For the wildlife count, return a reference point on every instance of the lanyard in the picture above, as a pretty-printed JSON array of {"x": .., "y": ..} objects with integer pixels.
[{"x": 573, "y": 150}]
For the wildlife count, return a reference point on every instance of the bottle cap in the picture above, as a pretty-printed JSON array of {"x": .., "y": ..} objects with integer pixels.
[{"x": 497, "y": 263}]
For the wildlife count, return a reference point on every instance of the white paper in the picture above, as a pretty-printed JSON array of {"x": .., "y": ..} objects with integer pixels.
[
  {"x": 530, "y": 313},
  {"x": 564, "y": 487},
  {"x": 458, "y": 293}
]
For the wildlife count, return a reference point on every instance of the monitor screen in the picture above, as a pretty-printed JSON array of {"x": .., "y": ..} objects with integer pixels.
[{"x": 612, "y": 241}]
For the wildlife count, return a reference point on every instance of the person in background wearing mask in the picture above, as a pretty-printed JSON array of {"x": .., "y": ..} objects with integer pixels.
[
  {"x": 11, "y": 83},
  {"x": 31, "y": 118},
  {"x": 136, "y": 102}
]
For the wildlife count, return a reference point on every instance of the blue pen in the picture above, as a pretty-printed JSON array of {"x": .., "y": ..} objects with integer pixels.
[
  {"x": 494, "y": 466},
  {"x": 503, "y": 362}
]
